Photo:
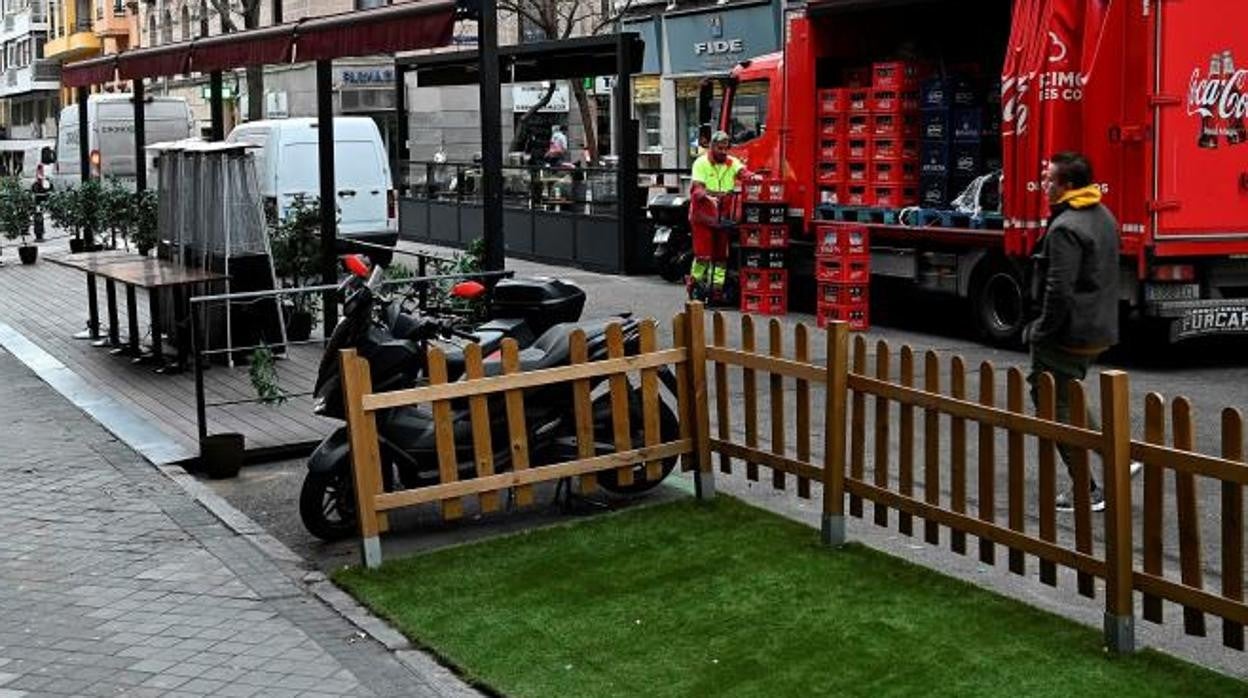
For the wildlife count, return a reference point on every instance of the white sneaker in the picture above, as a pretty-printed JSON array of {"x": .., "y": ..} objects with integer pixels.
[{"x": 1136, "y": 467}]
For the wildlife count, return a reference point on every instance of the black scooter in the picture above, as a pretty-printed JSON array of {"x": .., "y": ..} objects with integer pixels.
[
  {"x": 407, "y": 437},
  {"x": 673, "y": 241}
]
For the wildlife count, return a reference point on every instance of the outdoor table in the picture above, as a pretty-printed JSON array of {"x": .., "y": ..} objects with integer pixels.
[
  {"x": 91, "y": 263},
  {"x": 153, "y": 275}
]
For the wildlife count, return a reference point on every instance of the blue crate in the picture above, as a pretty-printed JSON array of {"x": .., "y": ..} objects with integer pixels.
[
  {"x": 966, "y": 160},
  {"x": 934, "y": 191},
  {"x": 885, "y": 216},
  {"x": 934, "y": 158},
  {"x": 968, "y": 125},
  {"x": 936, "y": 125},
  {"x": 936, "y": 93},
  {"x": 988, "y": 221}
]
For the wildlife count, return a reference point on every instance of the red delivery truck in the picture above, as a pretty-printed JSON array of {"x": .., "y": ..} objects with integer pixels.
[{"x": 883, "y": 111}]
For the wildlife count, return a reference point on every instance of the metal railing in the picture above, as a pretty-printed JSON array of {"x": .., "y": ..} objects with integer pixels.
[{"x": 202, "y": 356}]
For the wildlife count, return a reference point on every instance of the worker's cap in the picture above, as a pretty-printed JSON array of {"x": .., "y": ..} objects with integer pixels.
[{"x": 720, "y": 137}]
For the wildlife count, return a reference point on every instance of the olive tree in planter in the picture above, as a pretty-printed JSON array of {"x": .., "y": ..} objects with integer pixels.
[
  {"x": 143, "y": 230},
  {"x": 80, "y": 211},
  {"x": 296, "y": 245},
  {"x": 116, "y": 207},
  {"x": 17, "y": 210},
  {"x": 62, "y": 207}
]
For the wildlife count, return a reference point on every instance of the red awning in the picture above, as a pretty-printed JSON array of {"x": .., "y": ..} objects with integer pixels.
[
  {"x": 93, "y": 72},
  {"x": 170, "y": 59},
  {"x": 390, "y": 29},
  {"x": 267, "y": 46}
]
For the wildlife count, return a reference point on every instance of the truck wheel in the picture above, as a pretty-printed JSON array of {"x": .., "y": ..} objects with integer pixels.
[{"x": 998, "y": 305}]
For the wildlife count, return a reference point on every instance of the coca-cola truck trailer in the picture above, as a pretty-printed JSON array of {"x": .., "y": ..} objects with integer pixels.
[{"x": 1154, "y": 92}]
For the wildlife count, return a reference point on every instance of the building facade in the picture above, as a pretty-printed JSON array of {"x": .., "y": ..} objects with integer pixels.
[
  {"x": 29, "y": 83},
  {"x": 687, "y": 43}
]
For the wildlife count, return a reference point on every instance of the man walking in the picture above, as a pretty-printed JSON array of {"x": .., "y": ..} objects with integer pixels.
[{"x": 1076, "y": 282}]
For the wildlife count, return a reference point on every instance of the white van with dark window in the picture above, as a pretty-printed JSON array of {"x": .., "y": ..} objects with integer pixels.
[
  {"x": 110, "y": 143},
  {"x": 287, "y": 165}
]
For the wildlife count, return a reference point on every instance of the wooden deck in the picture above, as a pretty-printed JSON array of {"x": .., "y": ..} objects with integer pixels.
[{"x": 48, "y": 304}]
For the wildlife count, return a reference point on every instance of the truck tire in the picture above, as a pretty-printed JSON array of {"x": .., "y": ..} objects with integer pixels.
[{"x": 998, "y": 304}]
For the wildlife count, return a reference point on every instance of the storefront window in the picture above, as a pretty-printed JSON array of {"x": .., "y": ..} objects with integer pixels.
[{"x": 748, "y": 112}]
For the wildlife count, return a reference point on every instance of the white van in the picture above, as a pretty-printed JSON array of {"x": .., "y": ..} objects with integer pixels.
[
  {"x": 21, "y": 158},
  {"x": 110, "y": 125},
  {"x": 286, "y": 163}
]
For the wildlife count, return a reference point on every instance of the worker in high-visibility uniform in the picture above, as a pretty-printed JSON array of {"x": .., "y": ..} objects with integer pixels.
[{"x": 715, "y": 176}]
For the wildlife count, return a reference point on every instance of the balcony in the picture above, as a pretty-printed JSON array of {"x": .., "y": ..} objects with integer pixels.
[
  {"x": 81, "y": 44},
  {"x": 45, "y": 70}
]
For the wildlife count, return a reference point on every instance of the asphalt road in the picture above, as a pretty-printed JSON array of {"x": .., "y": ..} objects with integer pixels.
[{"x": 1211, "y": 375}]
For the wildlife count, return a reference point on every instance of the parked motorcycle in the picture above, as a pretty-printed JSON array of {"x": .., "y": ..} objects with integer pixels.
[
  {"x": 673, "y": 241},
  {"x": 408, "y": 444}
]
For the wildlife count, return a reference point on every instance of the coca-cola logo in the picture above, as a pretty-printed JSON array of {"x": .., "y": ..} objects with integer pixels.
[{"x": 1218, "y": 96}]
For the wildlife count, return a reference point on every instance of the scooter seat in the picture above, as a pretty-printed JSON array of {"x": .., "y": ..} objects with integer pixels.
[{"x": 551, "y": 349}]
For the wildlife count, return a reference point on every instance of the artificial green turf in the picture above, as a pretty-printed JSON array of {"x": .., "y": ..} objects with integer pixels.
[{"x": 719, "y": 599}]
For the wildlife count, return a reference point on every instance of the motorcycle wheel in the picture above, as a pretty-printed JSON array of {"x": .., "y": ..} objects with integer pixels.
[
  {"x": 327, "y": 505},
  {"x": 669, "y": 430},
  {"x": 670, "y": 269}
]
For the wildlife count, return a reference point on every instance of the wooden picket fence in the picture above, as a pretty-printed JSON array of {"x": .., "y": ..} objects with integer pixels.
[
  {"x": 521, "y": 475},
  {"x": 856, "y": 456}
]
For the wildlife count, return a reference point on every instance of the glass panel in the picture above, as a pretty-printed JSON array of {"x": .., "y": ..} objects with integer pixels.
[{"x": 749, "y": 111}]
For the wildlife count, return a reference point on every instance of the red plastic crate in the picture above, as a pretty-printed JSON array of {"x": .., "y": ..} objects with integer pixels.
[
  {"x": 765, "y": 303},
  {"x": 857, "y": 195},
  {"x": 858, "y": 125},
  {"x": 831, "y": 149},
  {"x": 858, "y": 316},
  {"x": 892, "y": 101},
  {"x": 856, "y": 77},
  {"x": 857, "y": 171},
  {"x": 765, "y": 191},
  {"x": 902, "y": 125},
  {"x": 895, "y": 195},
  {"x": 894, "y": 172},
  {"x": 895, "y": 75},
  {"x": 831, "y": 194},
  {"x": 843, "y": 294},
  {"x": 764, "y": 236},
  {"x": 831, "y": 172},
  {"x": 858, "y": 101},
  {"x": 843, "y": 270},
  {"x": 842, "y": 240},
  {"x": 764, "y": 280},
  {"x": 858, "y": 148},
  {"x": 833, "y": 100},
  {"x": 832, "y": 126},
  {"x": 886, "y": 148},
  {"x": 910, "y": 149}
]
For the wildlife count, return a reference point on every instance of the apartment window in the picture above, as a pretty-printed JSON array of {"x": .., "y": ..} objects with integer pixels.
[
  {"x": 151, "y": 30},
  {"x": 166, "y": 29},
  {"x": 369, "y": 4},
  {"x": 203, "y": 18},
  {"x": 186, "y": 23},
  {"x": 39, "y": 43}
]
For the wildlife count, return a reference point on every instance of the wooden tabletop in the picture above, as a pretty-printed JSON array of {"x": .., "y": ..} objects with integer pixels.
[{"x": 145, "y": 272}]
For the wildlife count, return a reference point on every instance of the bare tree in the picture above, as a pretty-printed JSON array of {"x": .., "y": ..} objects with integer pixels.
[
  {"x": 559, "y": 20},
  {"x": 249, "y": 12}
]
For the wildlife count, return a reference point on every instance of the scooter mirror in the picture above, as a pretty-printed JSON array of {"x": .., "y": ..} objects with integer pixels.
[
  {"x": 469, "y": 290},
  {"x": 356, "y": 265}
]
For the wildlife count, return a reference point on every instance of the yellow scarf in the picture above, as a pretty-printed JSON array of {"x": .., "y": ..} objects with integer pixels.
[{"x": 1082, "y": 198}]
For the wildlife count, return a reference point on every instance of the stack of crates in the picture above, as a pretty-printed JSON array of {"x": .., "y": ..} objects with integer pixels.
[
  {"x": 843, "y": 273},
  {"x": 764, "y": 239},
  {"x": 830, "y": 158},
  {"x": 892, "y": 148},
  {"x": 961, "y": 126}
]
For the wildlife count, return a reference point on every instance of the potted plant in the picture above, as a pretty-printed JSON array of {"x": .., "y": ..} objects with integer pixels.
[
  {"x": 296, "y": 246},
  {"x": 62, "y": 208},
  {"x": 90, "y": 211},
  {"x": 116, "y": 209},
  {"x": 17, "y": 211},
  {"x": 143, "y": 230}
]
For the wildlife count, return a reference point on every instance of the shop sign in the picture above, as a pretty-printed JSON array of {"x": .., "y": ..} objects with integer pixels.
[
  {"x": 716, "y": 40},
  {"x": 367, "y": 76},
  {"x": 523, "y": 97}
]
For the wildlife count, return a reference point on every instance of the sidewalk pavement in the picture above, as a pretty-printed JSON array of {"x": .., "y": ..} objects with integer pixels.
[{"x": 114, "y": 580}]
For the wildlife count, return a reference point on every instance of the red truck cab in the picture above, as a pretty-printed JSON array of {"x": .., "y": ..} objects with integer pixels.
[{"x": 1155, "y": 93}]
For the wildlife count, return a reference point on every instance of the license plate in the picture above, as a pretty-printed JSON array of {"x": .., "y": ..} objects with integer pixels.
[
  {"x": 1231, "y": 318},
  {"x": 1171, "y": 292},
  {"x": 661, "y": 235}
]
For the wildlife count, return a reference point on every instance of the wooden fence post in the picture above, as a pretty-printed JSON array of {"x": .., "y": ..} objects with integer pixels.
[
  {"x": 703, "y": 475},
  {"x": 1116, "y": 455},
  {"x": 834, "y": 435},
  {"x": 365, "y": 453}
]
